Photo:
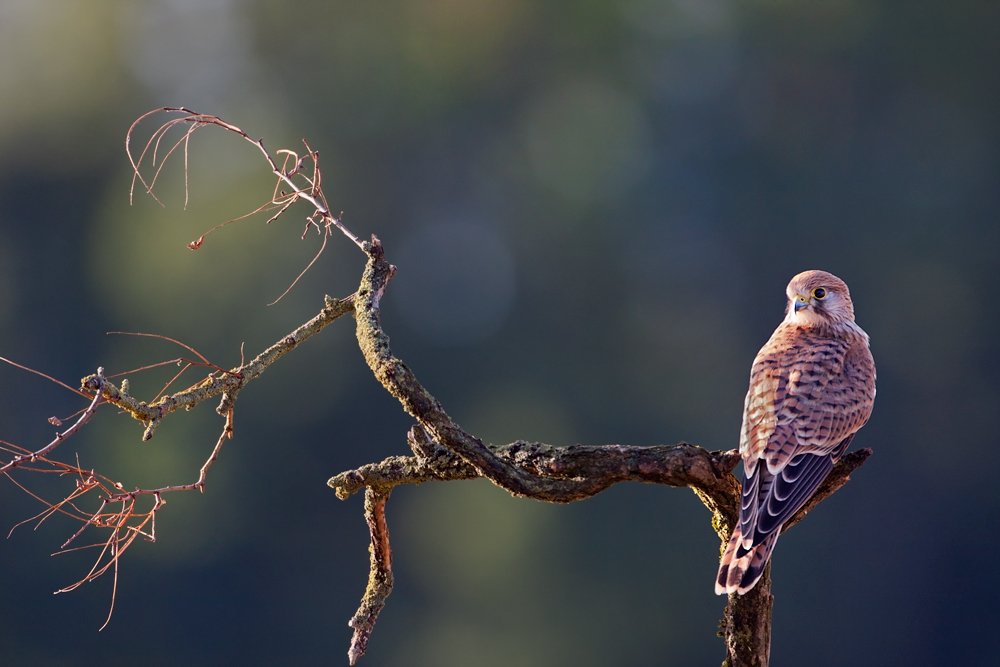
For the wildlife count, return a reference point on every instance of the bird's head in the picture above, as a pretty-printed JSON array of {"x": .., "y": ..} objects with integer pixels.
[{"x": 816, "y": 298}]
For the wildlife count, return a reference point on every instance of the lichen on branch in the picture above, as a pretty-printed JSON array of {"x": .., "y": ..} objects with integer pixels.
[
  {"x": 228, "y": 384},
  {"x": 380, "y": 575}
]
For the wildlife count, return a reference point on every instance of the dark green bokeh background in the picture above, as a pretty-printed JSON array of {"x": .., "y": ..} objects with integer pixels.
[{"x": 595, "y": 208}]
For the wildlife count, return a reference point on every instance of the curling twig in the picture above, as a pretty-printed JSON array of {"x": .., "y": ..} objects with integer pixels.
[{"x": 309, "y": 189}]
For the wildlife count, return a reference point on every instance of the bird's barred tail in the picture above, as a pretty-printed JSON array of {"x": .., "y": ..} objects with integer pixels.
[{"x": 741, "y": 568}]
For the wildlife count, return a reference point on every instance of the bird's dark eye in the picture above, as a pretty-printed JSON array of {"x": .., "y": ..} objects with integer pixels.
[{"x": 819, "y": 293}]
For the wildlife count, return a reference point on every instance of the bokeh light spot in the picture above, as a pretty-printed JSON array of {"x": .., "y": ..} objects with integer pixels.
[
  {"x": 588, "y": 142},
  {"x": 456, "y": 282}
]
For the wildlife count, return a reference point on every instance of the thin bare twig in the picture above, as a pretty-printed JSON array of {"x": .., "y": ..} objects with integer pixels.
[
  {"x": 311, "y": 192},
  {"x": 61, "y": 437},
  {"x": 47, "y": 377},
  {"x": 199, "y": 484},
  {"x": 126, "y": 523},
  {"x": 187, "y": 347},
  {"x": 152, "y": 413},
  {"x": 322, "y": 247}
]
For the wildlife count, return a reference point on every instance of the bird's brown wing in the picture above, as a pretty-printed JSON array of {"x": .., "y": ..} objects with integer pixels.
[{"x": 808, "y": 395}]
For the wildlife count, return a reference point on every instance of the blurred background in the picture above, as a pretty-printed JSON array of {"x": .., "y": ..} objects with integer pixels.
[{"x": 595, "y": 208}]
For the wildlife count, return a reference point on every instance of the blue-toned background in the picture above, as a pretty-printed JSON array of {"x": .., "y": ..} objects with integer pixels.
[{"x": 594, "y": 208}]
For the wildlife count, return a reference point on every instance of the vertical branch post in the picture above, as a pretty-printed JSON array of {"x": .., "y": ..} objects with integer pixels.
[
  {"x": 746, "y": 626},
  {"x": 379, "y": 576}
]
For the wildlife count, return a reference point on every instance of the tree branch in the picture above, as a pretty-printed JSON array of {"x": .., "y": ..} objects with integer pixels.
[
  {"x": 603, "y": 465},
  {"x": 420, "y": 404},
  {"x": 99, "y": 380},
  {"x": 379, "y": 577},
  {"x": 443, "y": 451},
  {"x": 228, "y": 384},
  {"x": 747, "y": 622}
]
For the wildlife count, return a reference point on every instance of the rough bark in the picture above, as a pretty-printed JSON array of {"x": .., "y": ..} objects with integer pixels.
[{"x": 379, "y": 576}]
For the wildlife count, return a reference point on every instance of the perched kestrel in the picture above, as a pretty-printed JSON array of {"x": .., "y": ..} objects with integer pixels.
[{"x": 812, "y": 387}]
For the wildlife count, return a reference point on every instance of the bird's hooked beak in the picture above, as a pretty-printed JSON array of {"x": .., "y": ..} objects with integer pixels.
[{"x": 800, "y": 302}]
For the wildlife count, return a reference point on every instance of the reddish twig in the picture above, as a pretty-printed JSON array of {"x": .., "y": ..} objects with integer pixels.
[
  {"x": 309, "y": 190},
  {"x": 60, "y": 437},
  {"x": 47, "y": 377}
]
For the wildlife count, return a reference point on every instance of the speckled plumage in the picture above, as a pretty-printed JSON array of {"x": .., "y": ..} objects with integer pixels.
[{"x": 812, "y": 386}]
